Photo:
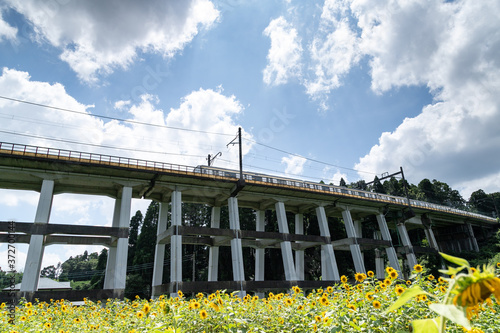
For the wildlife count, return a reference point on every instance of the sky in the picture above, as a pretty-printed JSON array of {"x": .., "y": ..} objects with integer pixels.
[{"x": 321, "y": 90}]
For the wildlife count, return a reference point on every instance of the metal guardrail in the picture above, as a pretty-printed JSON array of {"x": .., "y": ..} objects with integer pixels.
[{"x": 75, "y": 156}]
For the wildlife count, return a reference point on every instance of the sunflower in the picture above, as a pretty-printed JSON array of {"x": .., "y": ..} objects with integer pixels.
[
  {"x": 387, "y": 282},
  {"x": 473, "y": 289},
  {"x": 47, "y": 325},
  {"x": 146, "y": 308},
  {"x": 431, "y": 277},
  {"x": 288, "y": 301},
  {"x": 296, "y": 289},
  {"x": 324, "y": 301},
  {"x": 399, "y": 290},
  {"x": 418, "y": 268},
  {"x": 393, "y": 275},
  {"x": 203, "y": 314},
  {"x": 408, "y": 282},
  {"x": 140, "y": 314},
  {"x": 376, "y": 304},
  {"x": 343, "y": 279},
  {"x": 360, "y": 277},
  {"x": 180, "y": 294},
  {"x": 329, "y": 289},
  {"x": 351, "y": 307},
  {"x": 370, "y": 273},
  {"x": 369, "y": 296},
  {"x": 318, "y": 319},
  {"x": 389, "y": 269}
]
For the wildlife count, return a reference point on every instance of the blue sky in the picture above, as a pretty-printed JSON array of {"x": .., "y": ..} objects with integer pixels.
[{"x": 363, "y": 87}]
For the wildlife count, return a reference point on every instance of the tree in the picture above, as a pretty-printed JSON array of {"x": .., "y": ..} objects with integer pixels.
[
  {"x": 135, "y": 224},
  {"x": 481, "y": 202},
  {"x": 377, "y": 186},
  {"x": 342, "y": 182},
  {"x": 51, "y": 271}
]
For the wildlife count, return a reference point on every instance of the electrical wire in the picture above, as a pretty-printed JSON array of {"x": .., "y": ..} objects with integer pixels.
[{"x": 112, "y": 118}]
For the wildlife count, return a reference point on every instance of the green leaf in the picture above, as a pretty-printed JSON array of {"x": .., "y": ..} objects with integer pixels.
[
  {"x": 426, "y": 325},
  {"x": 456, "y": 260},
  {"x": 405, "y": 297},
  {"x": 451, "y": 312}
]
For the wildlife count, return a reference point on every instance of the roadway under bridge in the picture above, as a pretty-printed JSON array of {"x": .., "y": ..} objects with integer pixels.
[{"x": 54, "y": 171}]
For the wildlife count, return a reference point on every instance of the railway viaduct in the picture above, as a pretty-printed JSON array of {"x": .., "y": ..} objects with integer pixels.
[{"x": 54, "y": 171}]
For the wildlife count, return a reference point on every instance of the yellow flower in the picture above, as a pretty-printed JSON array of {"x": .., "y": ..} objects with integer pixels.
[
  {"x": 431, "y": 277},
  {"x": 387, "y": 282},
  {"x": 200, "y": 295},
  {"x": 360, "y": 277},
  {"x": 343, "y": 279},
  {"x": 370, "y": 273},
  {"x": 180, "y": 294},
  {"x": 318, "y": 318},
  {"x": 369, "y": 296},
  {"x": 399, "y": 290},
  {"x": 498, "y": 264},
  {"x": 140, "y": 314},
  {"x": 408, "y": 282},
  {"x": 329, "y": 289},
  {"x": 28, "y": 305},
  {"x": 23, "y": 318},
  {"x": 146, "y": 308},
  {"x": 351, "y": 307},
  {"x": 393, "y": 275},
  {"x": 214, "y": 306},
  {"x": 475, "y": 289},
  {"x": 47, "y": 325},
  {"x": 77, "y": 320},
  {"x": 324, "y": 301},
  {"x": 418, "y": 268},
  {"x": 296, "y": 289},
  {"x": 203, "y": 314},
  {"x": 376, "y": 304}
]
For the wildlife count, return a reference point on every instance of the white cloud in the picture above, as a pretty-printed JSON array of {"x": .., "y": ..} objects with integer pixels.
[
  {"x": 455, "y": 139},
  {"x": 7, "y": 32},
  {"x": 284, "y": 54},
  {"x": 96, "y": 37},
  {"x": 294, "y": 164}
]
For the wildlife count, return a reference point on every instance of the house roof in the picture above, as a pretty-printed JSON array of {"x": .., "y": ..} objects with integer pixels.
[{"x": 45, "y": 284}]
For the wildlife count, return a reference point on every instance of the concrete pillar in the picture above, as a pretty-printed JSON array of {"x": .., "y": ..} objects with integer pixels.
[
  {"x": 260, "y": 252},
  {"x": 33, "y": 264},
  {"x": 236, "y": 247},
  {"x": 111, "y": 262},
  {"x": 176, "y": 242},
  {"x": 286, "y": 246},
  {"x": 391, "y": 251},
  {"x": 213, "y": 254},
  {"x": 329, "y": 268},
  {"x": 472, "y": 238},
  {"x": 359, "y": 264},
  {"x": 379, "y": 260},
  {"x": 410, "y": 256},
  {"x": 299, "y": 254},
  {"x": 160, "y": 248}
]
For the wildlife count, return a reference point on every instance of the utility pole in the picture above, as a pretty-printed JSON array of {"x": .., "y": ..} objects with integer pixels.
[
  {"x": 238, "y": 136},
  {"x": 210, "y": 159}
]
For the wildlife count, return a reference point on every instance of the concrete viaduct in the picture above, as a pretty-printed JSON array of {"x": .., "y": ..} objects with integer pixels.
[{"x": 54, "y": 171}]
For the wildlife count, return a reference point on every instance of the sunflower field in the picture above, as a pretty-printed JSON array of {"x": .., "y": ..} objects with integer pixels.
[{"x": 357, "y": 306}]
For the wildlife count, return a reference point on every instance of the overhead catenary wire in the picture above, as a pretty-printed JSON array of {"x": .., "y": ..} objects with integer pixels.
[{"x": 168, "y": 127}]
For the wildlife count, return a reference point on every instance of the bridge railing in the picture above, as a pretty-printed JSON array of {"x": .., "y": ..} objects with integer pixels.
[{"x": 75, "y": 156}]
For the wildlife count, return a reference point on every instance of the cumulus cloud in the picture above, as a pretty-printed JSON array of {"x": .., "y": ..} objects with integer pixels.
[
  {"x": 96, "y": 37},
  {"x": 294, "y": 164},
  {"x": 205, "y": 112},
  {"x": 455, "y": 139},
  {"x": 284, "y": 54}
]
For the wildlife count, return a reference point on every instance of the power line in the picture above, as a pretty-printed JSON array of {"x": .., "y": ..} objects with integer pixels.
[
  {"x": 111, "y": 118},
  {"x": 96, "y": 145}
]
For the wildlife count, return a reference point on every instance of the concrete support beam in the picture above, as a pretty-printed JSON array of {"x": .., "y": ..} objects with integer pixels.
[
  {"x": 176, "y": 242},
  {"x": 379, "y": 260},
  {"x": 472, "y": 238},
  {"x": 299, "y": 255},
  {"x": 111, "y": 262},
  {"x": 410, "y": 255},
  {"x": 213, "y": 252},
  {"x": 259, "y": 253},
  {"x": 236, "y": 247},
  {"x": 160, "y": 248},
  {"x": 390, "y": 251},
  {"x": 359, "y": 264},
  {"x": 286, "y": 247},
  {"x": 33, "y": 264},
  {"x": 329, "y": 268}
]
